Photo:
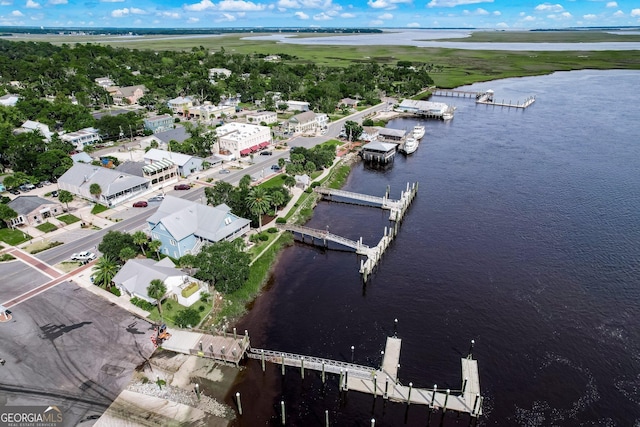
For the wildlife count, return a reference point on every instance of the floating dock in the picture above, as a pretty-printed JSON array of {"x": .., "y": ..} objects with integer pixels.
[{"x": 486, "y": 98}]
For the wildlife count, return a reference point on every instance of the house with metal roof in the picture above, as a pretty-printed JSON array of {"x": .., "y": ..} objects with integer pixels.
[
  {"x": 82, "y": 138},
  {"x": 134, "y": 278},
  {"x": 180, "y": 105},
  {"x": 117, "y": 187},
  {"x": 158, "y": 123},
  {"x": 127, "y": 95},
  {"x": 33, "y": 126},
  {"x": 184, "y": 226},
  {"x": 186, "y": 163},
  {"x": 33, "y": 210},
  {"x": 303, "y": 122}
]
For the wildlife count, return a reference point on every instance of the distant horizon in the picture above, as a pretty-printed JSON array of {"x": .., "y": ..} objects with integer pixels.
[{"x": 318, "y": 14}]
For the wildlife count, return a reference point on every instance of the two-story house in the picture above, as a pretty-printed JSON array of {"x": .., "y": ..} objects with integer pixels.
[
  {"x": 128, "y": 95},
  {"x": 158, "y": 123},
  {"x": 303, "y": 122},
  {"x": 260, "y": 117},
  {"x": 186, "y": 163},
  {"x": 184, "y": 226},
  {"x": 82, "y": 138},
  {"x": 180, "y": 105}
]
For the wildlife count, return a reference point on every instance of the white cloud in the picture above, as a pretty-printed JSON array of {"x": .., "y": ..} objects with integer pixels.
[
  {"x": 502, "y": 25},
  {"x": 376, "y": 23},
  {"x": 612, "y": 4},
  {"x": 529, "y": 18},
  {"x": 347, "y": 15},
  {"x": 17, "y": 13},
  {"x": 239, "y": 5},
  {"x": 379, "y": 4},
  {"x": 172, "y": 15},
  {"x": 193, "y": 20},
  {"x": 226, "y": 17},
  {"x": 119, "y": 13},
  {"x": 497, "y": 13},
  {"x": 618, "y": 14},
  {"x": 478, "y": 11},
  {"x": 548, "y": 7},
  {"x": 301, "y": 15},
  {"x": 590, "y": 16},
  {"x": 33, "y": 5},
  {"x": 522, "y": 14},
  {"x": 454, "y": 3},
  {"x": 635, "y": 12},
  {"x": 413, "y": 25},
  {"x": 321, "y": 17},
  {"x": 289, "y": 4},
  {"x": 386, "y": 16},
  {"x": 6, "y": 3},
  {"x": 563, "y": 15},
  {"x": 54, "y": 2},
  {"x": 137, "y": 11},
  {"x": 199, "y": 7}
]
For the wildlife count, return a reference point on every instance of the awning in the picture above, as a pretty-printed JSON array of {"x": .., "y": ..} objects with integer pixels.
[
  {"x": 245, "y": 151},
  {"x": 157, "y": 166},
  {"x": 263, "y": 144},
  {"x": 255, "y": 148}
]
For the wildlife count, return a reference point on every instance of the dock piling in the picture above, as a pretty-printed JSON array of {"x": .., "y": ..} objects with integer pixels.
[
  {"x": 302, "y": 367},
  {"x": 282, "y": 358},
  {"x": 262, "y": 360},
  {"x": 386, "y": 388},
  {"x": 326, "y": 418},
  {"x": 323, "y": 375},
  {"x": 446, "y": 398},
  {"x": 433, "y": 396},
  {"x": 409, "y": 394},
  {"x": 197, "y": 390},
  {"x": 284, "y": 419},
  {"x": 239, "y": 403}
]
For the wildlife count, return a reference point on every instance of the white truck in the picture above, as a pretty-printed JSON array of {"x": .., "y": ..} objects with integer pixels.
[{"x": 85, "y": 256}]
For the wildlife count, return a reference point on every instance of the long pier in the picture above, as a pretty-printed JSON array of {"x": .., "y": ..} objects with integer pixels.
[
  {"x": 384, "y": 381},
  {"x": 486, "y": 97},
  {"x": 398, "y": 209}
]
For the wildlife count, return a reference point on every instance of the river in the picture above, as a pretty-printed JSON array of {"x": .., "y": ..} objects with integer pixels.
[{"x": 524, "y": 236}]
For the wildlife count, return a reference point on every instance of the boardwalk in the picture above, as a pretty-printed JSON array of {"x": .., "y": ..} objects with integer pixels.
[
  {"x": 486, "y": 98},
  {"x": 384, "y": 381}
]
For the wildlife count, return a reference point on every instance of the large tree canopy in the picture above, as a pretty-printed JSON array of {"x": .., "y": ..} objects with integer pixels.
[{"x": 224, "y": 265}]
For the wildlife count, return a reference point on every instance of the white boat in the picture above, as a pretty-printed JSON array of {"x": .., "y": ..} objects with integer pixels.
[
  {"x": 448, "y": 114},
  {"x": 418, "y": 131},
  {"x": 410, "y": 145}
]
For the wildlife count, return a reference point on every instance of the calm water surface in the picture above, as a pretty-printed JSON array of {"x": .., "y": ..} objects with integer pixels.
[{"x": 525, "y": 236}]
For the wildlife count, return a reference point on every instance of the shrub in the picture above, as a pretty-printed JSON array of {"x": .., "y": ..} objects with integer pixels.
[
  {"x": 115, "y": 291},
  {"x": 6, "y": 257},
  {"x": 145, "y": 305},
  {"x": 281, "y": 220},
  {"x": 308, "y": 190},
  {"x": 187, "y": 317},
  {"x": 202, "y": 308},
  {"x": 190, "y": 290},
  {"x": 263, "y": 237},
  {"x": 272, "y": 230},
  {"x": 314, "y": 184},
  {"x": 168, "y": 305}
]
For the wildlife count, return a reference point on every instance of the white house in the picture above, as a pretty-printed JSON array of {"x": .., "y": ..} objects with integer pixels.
[
  {"x": 9, "y": 100},
  {"x": 297, "y": 105},
  {"x": 210, "y": 112},
  {"x": 266, "y": 117},
  {"x": 82, "y": 137},
  {"x": 134, "y": 278},
  {"x": 242, "y": 139},
  {"x": 32, "y": 126},
  {"x": 180, "y": 104},
  {"x": 322, "y": 119},
  {"x": 218, "y": 73},
  {"x": 303, "y": 122},
  {"x": 186, "y": 163},
  {"x": 104, "y": 82}
]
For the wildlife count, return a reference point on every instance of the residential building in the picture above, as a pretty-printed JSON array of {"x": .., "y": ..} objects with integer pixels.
[
  {"x": 158, "y": 123},
  {"x": 81, "y": 157},
  {"x": 161, "y": 172},
  {"x": 218, "y": 74},
  {"x": 242, "y": 139},
  {"x": 303, "y": 122},
  {"x": 134, "y": 278},
  {"x": 9, "y": 100},
  {"x": 117, "y": 187},
  {"x": 179, "y": 133},
  {"x": 34, "y": 210},
  {"x": 185, "y": 163},
  {"x": 184, "y": 226},
  {"x": 266, "y": 117},
  {"x": 32, "y": 126},
  {"x": 272, "y": 58},
  {"x": 104, "y": 82},
  {"x": 180, "y": 105},
  {"x": 297, "y": 105},
  {"x": 348, "y": 102},
  {"x": 322, "y": 119},
  {"x": 369, "y": 133},
  {"x": 211, "y": 112},
  {"x": 128, "y": 95},
  {"x": 82, "y": 138}
]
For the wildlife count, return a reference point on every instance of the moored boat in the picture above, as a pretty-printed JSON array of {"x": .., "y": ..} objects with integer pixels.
[
  {"x": 418, "y": 131},
  {"x": 410, "y": 145}
]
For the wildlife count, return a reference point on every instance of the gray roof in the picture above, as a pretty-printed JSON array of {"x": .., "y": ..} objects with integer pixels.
[
  {"x": 393, "y": 132},
  {"x": 132, "y": 168},
  {"x": 177, "y": 158},
  {"x": 306, "y": 117},
  {"x": 179, "y": 134},
  {"x": 110, "y": 181},
  {"x": 26, "y": 204},
  {"x": 136, "y": 275},
  {"x": 183, "y": 218},
  {"x": 379, "y": 146},
  {"x": 110, "y": 112},
  {"x": 81, "y": 157}
]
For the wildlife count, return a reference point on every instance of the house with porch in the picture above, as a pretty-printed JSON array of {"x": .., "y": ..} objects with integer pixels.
[
  {"x": 297, "y": 105},
  {"x": 128, "y": 95},
  {"x": 33, "y": 210},
  {"x": 158, "y": 123},
  {"x": 33, "y": 126},
  {"x": 116, "y": 187},
  {"x": 180, "y": 105},
  {"x": 348, "y": 103},
  {"x": 185, "y": 163},
  {"x": 134, "y": 278},
  {"x": 242, "y": 139},
  {"x": 184, "y": 226},
  {"x": 82, "y": 138},
  {"x": 303, "y": 122}
]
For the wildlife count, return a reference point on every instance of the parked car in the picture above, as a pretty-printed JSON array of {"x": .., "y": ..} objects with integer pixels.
[
  {"x": 27, "y": 187},
  {"x": 46, "y": 183},
  {"x": 158, "y": 198},
  {"x": 54, "y": 193},
  {"x": 83, "y": 256},
  {"x": 225, "y": 171},
  {"x": 275, "y": 167},
  {"x": 182, "y": 187},
  {"x": 14, "y": 191},
  {"x": 140, "y": 204},
  {"x": 266, "y": 153}
]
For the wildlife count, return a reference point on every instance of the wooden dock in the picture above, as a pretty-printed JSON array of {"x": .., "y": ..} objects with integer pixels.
[
  {"x": 384, "y": 381},
  {"x": 486, "y": 98},
  {"x": 228, "y": 347}
]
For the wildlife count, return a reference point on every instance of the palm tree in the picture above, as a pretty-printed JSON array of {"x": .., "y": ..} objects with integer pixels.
[
  {"x": 65, "y": 197},
  {"x": 140, "y": 238},
  {"x": 155, "y": 246},
  {"x": 258, "y": 202},
  {"x": 126, "y": 254},
  {"x": 289, "y": 181},
  {"x": 157, "y": 290},
  {"x": 105, "y": 270},
  {"x": 277, "y": 198},
  {"x": 95, "y": 190}
]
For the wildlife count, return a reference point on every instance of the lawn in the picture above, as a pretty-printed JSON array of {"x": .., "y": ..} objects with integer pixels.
[
  {"x": 97, "y": 208},
  {"x": 47, "y": 227},
  {"x": 13, "y": 237},
  {"x": 170, "y": 309},
  {"x": 68, "y": 219}
]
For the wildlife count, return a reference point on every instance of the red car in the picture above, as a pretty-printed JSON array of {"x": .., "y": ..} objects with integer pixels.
[
  {"x": 140, "y": 204},
  {"x": 182, "y": 187}
]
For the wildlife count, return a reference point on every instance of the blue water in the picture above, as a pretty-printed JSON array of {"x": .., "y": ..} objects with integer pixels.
[{"x": 524, "y": 236}]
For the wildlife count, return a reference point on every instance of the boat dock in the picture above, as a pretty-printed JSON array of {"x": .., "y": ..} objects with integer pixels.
[
  {"x": 227, "y": 348},
  {"x": 384, "y": 381},
  {"x": 373, "y": 254},
  {"x": 486, "y": 98}
]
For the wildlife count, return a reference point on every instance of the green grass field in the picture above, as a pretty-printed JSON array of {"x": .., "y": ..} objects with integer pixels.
[
  {"x": 13, "y": 237},
  {"x": 68, "y": 218},
  {"x": 46, "y": 227}
]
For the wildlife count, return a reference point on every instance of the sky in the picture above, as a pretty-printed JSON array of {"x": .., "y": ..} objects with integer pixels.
[{"x": 494, "y": 14}]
